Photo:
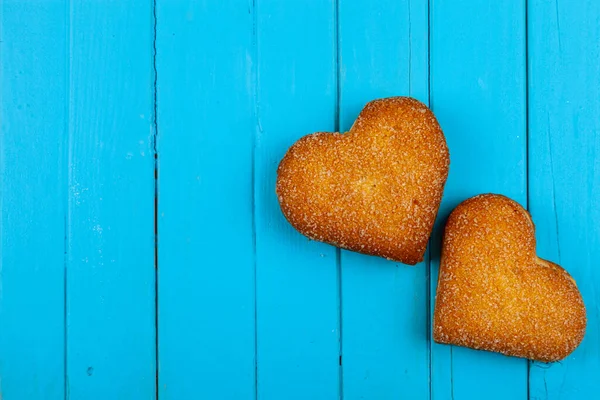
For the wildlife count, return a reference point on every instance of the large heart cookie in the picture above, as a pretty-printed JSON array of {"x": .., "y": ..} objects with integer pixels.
[
  {"x": 375, "y": 189},
  {"x": 495, "y": 294}
]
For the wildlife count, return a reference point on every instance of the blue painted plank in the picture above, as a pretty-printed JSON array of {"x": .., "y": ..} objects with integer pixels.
[
  {"x": 564, "y": 173},
  {"x": 385, "y": 350},
  {"x": 110, "y": 273},
  {"x": 33, "y": 95},
  {"x": 478, "y": 93},
  {"x": 205, "y": 246},
  {"x": 297, "y": 294}
]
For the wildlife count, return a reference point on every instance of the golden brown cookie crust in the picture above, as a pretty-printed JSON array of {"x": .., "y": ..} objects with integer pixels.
[
  {"x": 495, "y": 294},
  {"x": 375, "y": 189}
]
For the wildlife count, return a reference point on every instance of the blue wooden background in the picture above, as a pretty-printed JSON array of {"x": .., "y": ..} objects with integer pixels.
[{"x": 143, "y": 254}]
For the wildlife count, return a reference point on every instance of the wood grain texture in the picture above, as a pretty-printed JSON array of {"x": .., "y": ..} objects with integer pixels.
[
  {"x": 110, "y": 273},
  {"x": 564, "y": 172},
  {"x": 248, "y": 308},
  {"x": 296, "y": 279},
  {"x": 205, "y": 202},
  {"x": 478, "y": 93},
  {"x": 33, "y": 117},
  {"x": 382, "y": 52}
]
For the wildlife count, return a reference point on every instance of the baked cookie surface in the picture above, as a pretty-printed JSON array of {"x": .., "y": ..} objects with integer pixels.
[
  {"x": 375, "y": 189},
  {"x": 495, "y": 294}
]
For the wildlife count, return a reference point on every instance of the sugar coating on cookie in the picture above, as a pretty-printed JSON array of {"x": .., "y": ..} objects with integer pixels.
[
  {"x": 375, "y": 189},
  {"x": 495, "y": 294}
]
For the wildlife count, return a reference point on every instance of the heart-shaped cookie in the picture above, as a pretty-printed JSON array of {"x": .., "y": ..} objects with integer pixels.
[
  {"x": 375, "y": 189},
  {"x": 495, "y": 294}
]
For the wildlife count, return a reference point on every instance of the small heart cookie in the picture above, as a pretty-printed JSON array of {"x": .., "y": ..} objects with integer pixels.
[
  {"x": 375, "y": 189},
  {"x": 495, "y": 294}
]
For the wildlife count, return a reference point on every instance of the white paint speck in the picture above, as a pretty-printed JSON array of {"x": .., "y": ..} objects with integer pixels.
[{"x": 481, "y": 83}]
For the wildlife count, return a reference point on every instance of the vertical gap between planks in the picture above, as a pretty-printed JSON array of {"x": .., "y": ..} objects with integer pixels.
[
  {"x": 410, "y": 49},
  {"x": 429, "y": 254},
  {"x": 338, "y": 253},
  {"x": 429, "y": 264},
  {"x": 431, "y": 106},
  {"x": 66, "y": 155},
  {"x": 428, "y": 311},
  {"x": 527, "y": 100},
  {"x": 155, "y": 151},
  {"x": 527, "y": 143},
  {"x": 255, "y": 94}
]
